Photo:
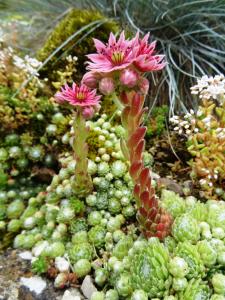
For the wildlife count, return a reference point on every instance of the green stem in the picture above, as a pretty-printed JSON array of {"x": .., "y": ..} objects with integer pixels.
[{"x": 82, "y": 184}]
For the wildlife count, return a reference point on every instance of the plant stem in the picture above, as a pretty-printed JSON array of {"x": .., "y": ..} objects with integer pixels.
[
  {"x": 82, "y": 184},
  {"x": 152, "y": 219}
]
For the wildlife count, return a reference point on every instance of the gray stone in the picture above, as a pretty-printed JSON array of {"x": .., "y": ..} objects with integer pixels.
[
  {"x": 71, "y": 294},
  {"x": 26, "y": 255},
  {"x": 34, "y": 284},
  {"x": 88, "y": 287},
  {"x": 170, "y": 185}
]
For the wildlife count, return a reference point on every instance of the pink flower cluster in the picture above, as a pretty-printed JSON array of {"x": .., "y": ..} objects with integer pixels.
[
  {"x": 122, "y": 63},
  {"x": 81, "y": 97},
  {"x": 119, "y": 64}
]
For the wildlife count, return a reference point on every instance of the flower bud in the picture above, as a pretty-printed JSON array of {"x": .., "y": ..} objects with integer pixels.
[
  {"x": 88, "y": 112},
  {"x": 144, "y": 85},
  {"x": 106, "y": 86},
  {"x": 129, "y": 78},
  {"x": 90, "y": 79}
]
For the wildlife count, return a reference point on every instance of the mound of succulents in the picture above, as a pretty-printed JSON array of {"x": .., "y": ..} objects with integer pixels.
[
  {"x": 103, "y": 214},
  {"x": 99, "y": 235}
]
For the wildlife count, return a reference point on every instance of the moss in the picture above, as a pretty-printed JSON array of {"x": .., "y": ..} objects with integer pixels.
[
  {"x": 75, "y": 20},
  {"x": 93, "y": 144},
  {"x": 157, "y": 121}
]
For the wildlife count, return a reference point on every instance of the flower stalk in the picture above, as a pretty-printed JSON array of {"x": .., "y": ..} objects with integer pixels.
[
  {"x": 154, "y": 221},
  {"x": 82, "y": 184},
  {"x": 85, "y": 101}
]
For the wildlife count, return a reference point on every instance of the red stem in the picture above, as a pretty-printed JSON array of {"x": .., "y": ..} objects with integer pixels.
[{"x": 154, "y": 221}]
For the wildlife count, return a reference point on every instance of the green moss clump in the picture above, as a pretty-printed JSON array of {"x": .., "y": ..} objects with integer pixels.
[
  {"x": 157, "y": 121},
  {"x": 75, "y": 20}
]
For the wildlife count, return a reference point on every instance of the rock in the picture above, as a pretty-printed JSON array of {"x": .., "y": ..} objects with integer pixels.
[
  {"x": 39, "y": 248},
  {"x": 35, "y": 284},
  {"x": 88, "y": 287},
  {"x": 170, "y": 185},
  {"x": 26, "y": 294},
  {"x": 62, "y": 264},
  {"x": 26, "y": 255},
  {"x": 71, "y": 294}
]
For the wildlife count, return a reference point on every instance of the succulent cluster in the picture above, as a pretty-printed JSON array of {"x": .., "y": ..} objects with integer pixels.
[
  {"x": 29, "y": 153},
  {"x": 84, "y": 222},
  {"x": 14, "y": 198},
  {"x": 205, "y": 133},
  {"x": 98, "y": 234}
]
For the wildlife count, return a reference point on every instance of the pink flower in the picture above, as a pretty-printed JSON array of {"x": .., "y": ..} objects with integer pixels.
[
  {"x": 115, "y": 55},
  {"x": 129, "y": 78},
  {"x": 146, "y": 60},
  {"x": 121, "y": 54},
  {"x": 78, "y": 95},
  {"x": 106, "y": 86}
]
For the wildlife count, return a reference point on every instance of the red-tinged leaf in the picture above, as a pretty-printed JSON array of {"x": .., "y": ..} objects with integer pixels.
[
  {"x": 136, "y": 190},
  {"x": 160, "y": 227},
  {"x": 151, "y": 190},
  {"x": 143, "y": 212},
  {"x": 144, "y": 177},
  {"x": 138, "y": 152},
  {"x": 148, "y": 224},
  {"x": 124, "y": 98},
  {"x": 124, "y": 149},
  {"x": 136, "y": 137},
  {"x": 135, "y": 169},
  {"x": 124, "y": 116},
  {"x": 166, "y": 218},
  {"x": 160, "y": 235},
  {"x": 157, "y": 217},
  {"x": 140, "y": 218},
  {"x": 145, "y": 199},
  {"x": 152, "y": 214},
  {"x": 137, "y": 104},
  {"x": 139, "y": 118},
  {"x": 153, "y": 203},
  {"x": 136, "y": 193}
]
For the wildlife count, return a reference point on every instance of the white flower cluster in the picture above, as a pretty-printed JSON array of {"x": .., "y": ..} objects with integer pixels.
[
  {"x": 185, "y": 126},
  {"x": 5, "y": 54},
  {"x": 28, "y": 64},
  {"x": 209, "y": 178},
  {"x": 71, "y": 58},
  {"x": 210, "y": 88},
  {"x": 220, "y": 133}
]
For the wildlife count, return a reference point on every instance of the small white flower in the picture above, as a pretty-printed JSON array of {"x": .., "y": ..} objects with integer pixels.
[
  {"x": 188, "y": 132},
  {"x": 202, "y": 181}
]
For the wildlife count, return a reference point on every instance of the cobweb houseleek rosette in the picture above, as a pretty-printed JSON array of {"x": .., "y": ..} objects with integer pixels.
[
  {"x": 86, "y": 102},
  {"x": 154, "y": 221}
]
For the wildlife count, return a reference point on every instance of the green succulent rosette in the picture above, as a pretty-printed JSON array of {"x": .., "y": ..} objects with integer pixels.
[
  {"x": 192, "y": 257},
  {"x": 149, "y": 270}
]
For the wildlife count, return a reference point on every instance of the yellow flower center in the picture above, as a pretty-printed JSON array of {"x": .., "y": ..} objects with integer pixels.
[
  {"x": 80, "y": 96},
  {"x": 117, "y": 57}
]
